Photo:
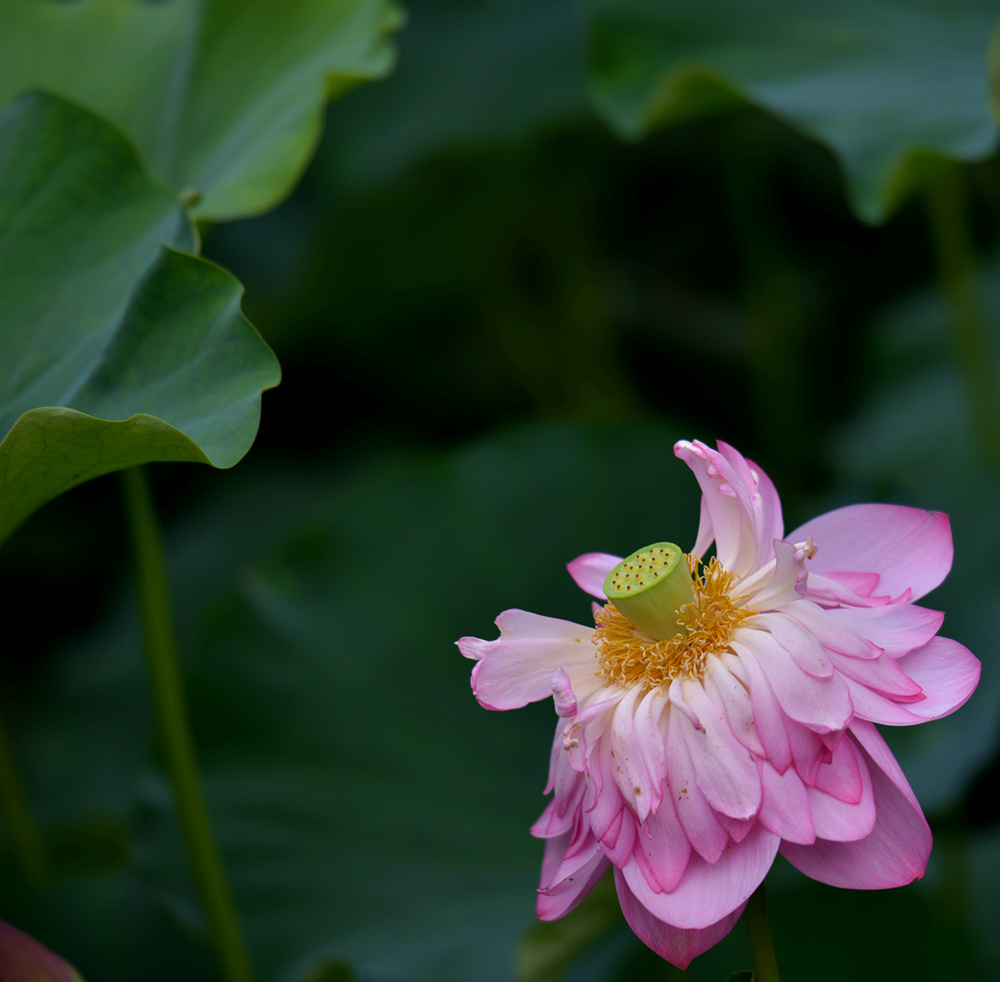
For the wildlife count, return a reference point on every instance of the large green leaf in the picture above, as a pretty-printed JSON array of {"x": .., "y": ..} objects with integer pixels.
[
  {"x": 222, "y": 97},
  {"x": 894, "y": 89},
  {"x": 117, "y": 349}
]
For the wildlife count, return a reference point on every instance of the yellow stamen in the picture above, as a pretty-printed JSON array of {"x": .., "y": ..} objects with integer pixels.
[{"x": 628, "y": 656}]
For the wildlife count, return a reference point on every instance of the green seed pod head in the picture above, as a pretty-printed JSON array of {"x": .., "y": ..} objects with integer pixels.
[{"x": 649, "y": 588}]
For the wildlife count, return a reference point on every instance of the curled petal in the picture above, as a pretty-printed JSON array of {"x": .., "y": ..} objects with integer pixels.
[
  {"x": 559, "y": 815},
  {"x": 767, "y": 714},
  {"x": 823, "y": 704},
  {"x": 785, "y": 806},
  {"x": 582, "y": 735},
  {"x": 648, "y": 717},
  {"x": 894, "y": 853},
  {"x": 882, "y": 675},
  {"x": 947, "y": 672},
  {"x": 590, "y": 570},
  {"x": 579, "y": 693},
  {"x": 678, "y": 945},
  {"x": 696, "y": 815},
  {"x": 909, "y": 548},
  {"x": 871, "y": 705},
  {"x": 519, "y": 666},
  {"x": 860, "y": 584},
  {"x": 834, "y": 817},
  {"x": 831, "y": 633},
  {"x": 679, "y": 704},
  {"x": 758, "y": 496},
  {"x": 568, "y": 874},
  {"x": 808, "y": 751},
  {"x": 638, "y": 783},
  {"x": 896, "y": 629},
  {"x": 844, "y": 775},
  {"x": 737, "y": 828},
  {"x": 780, "y": 582},
  {"x": 706, "y": 530},
  {"x": 664, "y": 845},
  {"x": 806, "y": 650},
  {"x": 563, "y": 696},
  {"x": 618, "y": 843},
  {"x": 847, "y": 589},
  {"x": 741, "y": 504},
  {"x": 725, "y": 772},
  {"x": 605, "y": 810},
  {"x": 730, "y": 696},
  {"x": 569, "y": 786}
]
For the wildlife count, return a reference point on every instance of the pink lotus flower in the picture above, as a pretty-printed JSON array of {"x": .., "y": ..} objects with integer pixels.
[{"x": 738, "y": 719}]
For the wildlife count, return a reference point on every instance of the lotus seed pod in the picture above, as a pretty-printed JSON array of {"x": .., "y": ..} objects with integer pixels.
[{"x": 650, "y": 587}]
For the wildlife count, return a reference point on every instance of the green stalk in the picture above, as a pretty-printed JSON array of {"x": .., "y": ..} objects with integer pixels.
[
  {"x": 175, "y": 732},
  {"x": 971, "y": 331},
  {"x": 765, "y": 965},
  {"x": 26, "y": 840}
]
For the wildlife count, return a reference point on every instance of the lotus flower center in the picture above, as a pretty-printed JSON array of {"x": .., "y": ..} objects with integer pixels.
[{"x": 630, "y": 655}]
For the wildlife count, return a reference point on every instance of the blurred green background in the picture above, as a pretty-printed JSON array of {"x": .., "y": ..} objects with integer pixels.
[{"x": 555, "y": 239}]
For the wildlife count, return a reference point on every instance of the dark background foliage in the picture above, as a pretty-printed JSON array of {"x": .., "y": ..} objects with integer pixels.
[{"x": 494, "y": 314}]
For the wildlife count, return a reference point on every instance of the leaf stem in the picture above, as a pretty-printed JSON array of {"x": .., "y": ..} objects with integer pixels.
[
  {"x": 765, "y": 964},
  {"x": 26, "y": 840},
  {"x": 947, "y": 212},
  {"x": 174, "y": 729}
]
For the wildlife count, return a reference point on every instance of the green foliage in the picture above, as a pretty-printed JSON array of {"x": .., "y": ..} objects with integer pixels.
[
  {"x": 469, "y": 249},
  {"x": 223, "y": 99},
  {"x": 358, "y": 790},
  {"x": 495, "y": 73},
  {"x": 118, "y": 349},
  {"x": 916, "y": 441},
  {"x": 550, "y": 948},
  {"x": 331, "y": 971},
  {"x": 895, "y": 90}
]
